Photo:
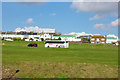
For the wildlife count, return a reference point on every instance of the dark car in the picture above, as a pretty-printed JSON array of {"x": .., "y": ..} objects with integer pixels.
[{"x": 32, "y": 45}]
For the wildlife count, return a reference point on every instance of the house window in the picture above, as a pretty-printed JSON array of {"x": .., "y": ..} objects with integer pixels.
[
  {"x": 97, "y": 39},
  {"x": 102, "y": 39},
  {"x": 92, "y": 39}
]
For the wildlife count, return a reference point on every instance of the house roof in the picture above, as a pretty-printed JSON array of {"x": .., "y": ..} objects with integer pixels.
[
  {"x": 97, "y": 36},
  {"x": 111, "y": 38},
  {"x": 64, "y": 36}
]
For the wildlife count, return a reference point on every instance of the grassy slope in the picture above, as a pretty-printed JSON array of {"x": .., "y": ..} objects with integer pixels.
[
  {"x": 80, "y": 60},
  {"x": 18, "y": 51}
]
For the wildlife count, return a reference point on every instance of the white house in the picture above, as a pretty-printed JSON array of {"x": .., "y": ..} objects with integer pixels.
[
  {"x": 47, "y": 30},
  {"x": 98, "y": 39},
  {"x": 111, "y": 39},
  {"x": 34, "y": 33},
  {"x": 45, "y": 36},
  {"x": 11, "y": 36},
  {"x": 67, "y": 38},
  {"x": 82, "y": 34},
  {"x": 27, "y": 36}
]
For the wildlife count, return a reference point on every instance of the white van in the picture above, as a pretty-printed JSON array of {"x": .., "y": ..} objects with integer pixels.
[{"x": 58, "y": 44}]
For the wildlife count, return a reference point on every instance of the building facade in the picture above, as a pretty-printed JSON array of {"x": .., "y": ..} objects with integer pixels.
[
  {"x": 98, "y": 39},
  {"x": 47, "y": 34},
  {"x": 81, "y": 35},
  {"x": 70, "y": 38},
  {"x": 43, "y": 34},
  {"x": 111, "y": 39}
]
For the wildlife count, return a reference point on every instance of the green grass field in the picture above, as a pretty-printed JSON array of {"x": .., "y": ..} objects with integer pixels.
[{"x": 77, "y": 61}]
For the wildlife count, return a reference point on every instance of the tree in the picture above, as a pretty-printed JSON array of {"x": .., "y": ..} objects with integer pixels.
[
  {"x": 42, "y": 39},
  {"x": 59, "y": 38},
  {"x": 24, "y": 39},
  {"x": 3, "y": 38},
  {"x": 31, "y": 39},
  {"x": 16, "y": 39},
  {"x": 47, "y": 39},
  {"x": 85, "y": 40}
]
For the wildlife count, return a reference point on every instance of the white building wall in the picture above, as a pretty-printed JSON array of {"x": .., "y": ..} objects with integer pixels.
[
  {"x": 46, "y": 30},
  {"x": 67, "y": 38},
  {"x": 112, "y": 35},
  {"x": 6, "y": 36},
  {"x": 77, "y": 40},
  {"x": 111, "y": 40},
  {"x": 79, "y": 34},
  {"x": 13, "y": 36}
]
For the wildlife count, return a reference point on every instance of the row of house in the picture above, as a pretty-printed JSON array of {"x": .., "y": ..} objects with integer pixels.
[
  {"x": 93, "y": 39},
  {"x": 96, "y": 38},
  {"x": 104, "y": 39},
  {"x": 48, "y": 34},
  {"x": 26, "y": 35}
]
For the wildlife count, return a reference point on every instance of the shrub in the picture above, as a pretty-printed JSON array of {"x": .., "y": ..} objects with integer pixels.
[
  {"x": 85, "y": 40},
  {"x": 17, "y": 39},
  {"x": 42, "y": 39},
  {"x": 3, "y": 38},
  {"x": 78, "y": 37},
  {"x": 24, "y": 39},
  {"x": 59, "y": 38},
  {"x": 31, "y": 39},
  {"x": 47, "y": 39},
  {"x": 54, "y": 39}
]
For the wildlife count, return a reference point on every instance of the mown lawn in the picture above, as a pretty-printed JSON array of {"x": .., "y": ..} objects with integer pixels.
[{"x": 41, "y": 62}]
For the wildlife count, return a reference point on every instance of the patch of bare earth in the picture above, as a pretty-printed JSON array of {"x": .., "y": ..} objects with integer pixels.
[{"x": 52, "y": 70}]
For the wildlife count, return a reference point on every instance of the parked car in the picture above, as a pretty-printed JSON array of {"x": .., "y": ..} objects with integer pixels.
[{"x": 32, "y": 45}]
